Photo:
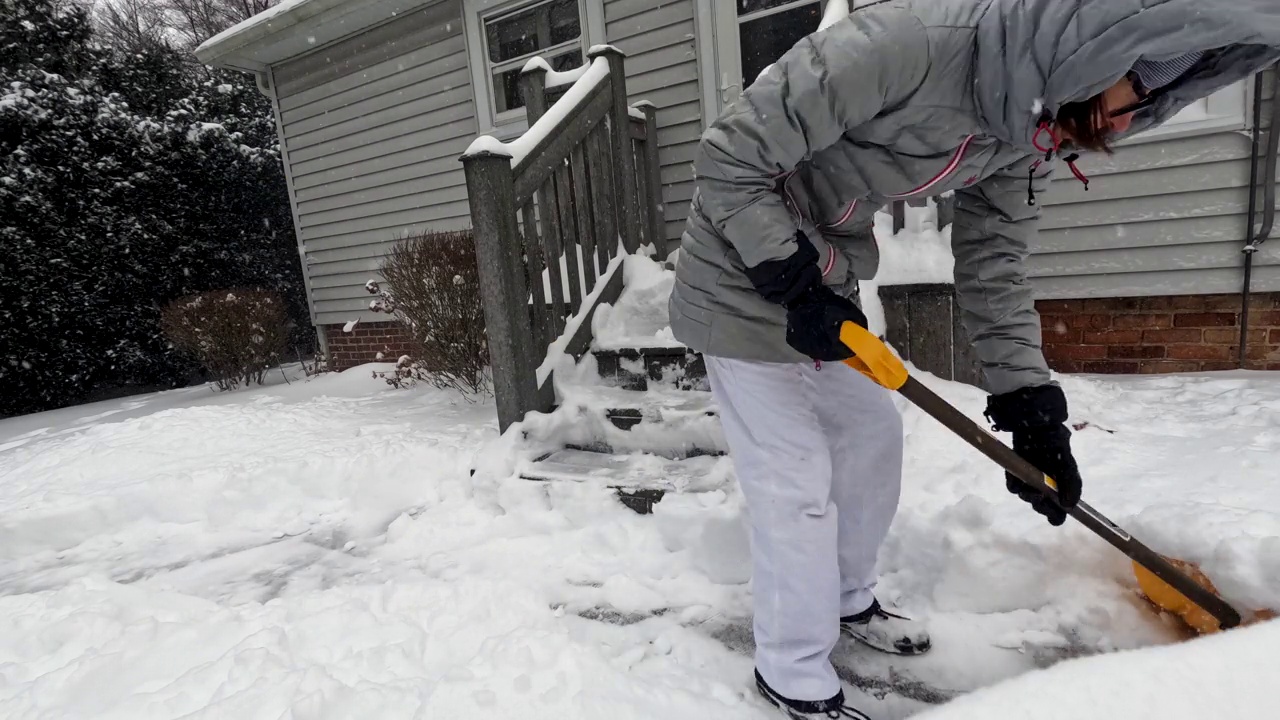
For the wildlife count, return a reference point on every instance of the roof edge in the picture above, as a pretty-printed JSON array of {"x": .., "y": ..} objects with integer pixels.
[{"x": 229, "y": 48}]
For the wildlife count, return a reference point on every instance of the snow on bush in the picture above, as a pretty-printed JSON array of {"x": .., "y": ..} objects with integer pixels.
[
  {"x": 433, "y": 290},
  {"x": 237, "y": 335}
]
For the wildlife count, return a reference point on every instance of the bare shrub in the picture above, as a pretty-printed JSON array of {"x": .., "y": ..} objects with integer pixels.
[
  {"x": 237, "y": 335},
  {"x": 433, "y": 290}
]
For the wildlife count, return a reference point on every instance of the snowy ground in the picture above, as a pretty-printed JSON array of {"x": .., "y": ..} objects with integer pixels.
[{"x": 320, "y": 550}]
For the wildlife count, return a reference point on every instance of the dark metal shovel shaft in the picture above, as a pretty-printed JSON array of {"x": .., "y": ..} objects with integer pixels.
[{"x": 989, "y": 445}]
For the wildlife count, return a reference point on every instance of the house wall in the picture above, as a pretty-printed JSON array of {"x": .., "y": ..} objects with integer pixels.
[
  {"x": 366, "y": 342},
  {"x": 1184, "y": 333},
  {"x": 659, "y": 38},
  {"x": 373, "y": 127},
  {"x": 1161, "y": 218}
]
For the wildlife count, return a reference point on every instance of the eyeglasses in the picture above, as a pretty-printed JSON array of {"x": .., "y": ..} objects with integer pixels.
[{"x": 1145, "y": 100}]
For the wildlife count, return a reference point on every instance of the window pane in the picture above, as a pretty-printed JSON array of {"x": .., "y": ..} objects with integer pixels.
[
  {"x": 746, "y": 7},
  {"x": 766, "y": 39},
  {"x": 566, "y": 24},
  {"x": 529, "y": 31},
  {"x": 506, "y": 85}
]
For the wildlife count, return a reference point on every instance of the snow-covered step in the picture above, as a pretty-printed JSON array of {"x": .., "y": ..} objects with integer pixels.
[
  {"x": 696, "y": 474},
  {"x": 663, "y": 421},
  {"x": 640, "y": 479},
  {"x": 643, "y": 368},
  {"x": 655, "y": 404}
]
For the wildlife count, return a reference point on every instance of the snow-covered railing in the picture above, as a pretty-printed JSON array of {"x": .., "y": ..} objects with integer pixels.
[{"x": 552, "y": 209}]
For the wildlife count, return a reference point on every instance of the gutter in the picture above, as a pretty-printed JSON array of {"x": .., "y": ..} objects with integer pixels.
[
  {"x": 269, "y": 22},
  {"x": 1253, "y": 242}
]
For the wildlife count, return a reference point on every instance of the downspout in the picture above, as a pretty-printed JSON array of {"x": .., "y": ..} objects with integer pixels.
[
  {"x": 1255, "y": 241},
  {"x": 264, "y": 84}
]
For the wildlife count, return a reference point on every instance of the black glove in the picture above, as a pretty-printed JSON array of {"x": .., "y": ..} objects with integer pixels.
[
  {"x": 1036, "y": 416},
  {"x": 814, "y": 320},
  {"x": 814, "y": 311}
]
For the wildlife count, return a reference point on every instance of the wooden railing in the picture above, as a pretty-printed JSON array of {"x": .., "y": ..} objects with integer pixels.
[
  {"x": 551, "y": 214},
  {"x": 944, "y": 206}
]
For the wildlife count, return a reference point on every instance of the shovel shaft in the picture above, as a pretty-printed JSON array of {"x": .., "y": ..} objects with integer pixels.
[{"x": 989, "y": 445}]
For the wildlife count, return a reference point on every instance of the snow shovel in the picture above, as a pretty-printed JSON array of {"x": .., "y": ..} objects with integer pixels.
[{"x": 1174, "y": 585}]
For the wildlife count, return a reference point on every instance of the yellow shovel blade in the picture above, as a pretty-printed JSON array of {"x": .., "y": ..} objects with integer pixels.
[{"x": 1166, "y": 597}]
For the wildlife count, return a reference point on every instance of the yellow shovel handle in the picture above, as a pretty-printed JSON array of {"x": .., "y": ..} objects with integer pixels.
[{"x": 872, "y": 357}]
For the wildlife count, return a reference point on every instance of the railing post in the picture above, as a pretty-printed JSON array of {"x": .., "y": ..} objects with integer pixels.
[
  {"x": 623, "y": 158},
  {"x": 504, "y": 291},
  {"x": 533, "y": 88},
  {"x": 653, "y": 203}
]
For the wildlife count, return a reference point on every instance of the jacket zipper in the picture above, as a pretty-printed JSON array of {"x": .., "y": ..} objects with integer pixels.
[{"x": 795, "y": 207}]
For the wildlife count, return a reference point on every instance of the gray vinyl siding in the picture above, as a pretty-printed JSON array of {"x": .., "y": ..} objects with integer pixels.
[
  {"x": 373, "y": 126},
  {"x": 1167, "y": 217},
  {"x": 659, "y": 39}
]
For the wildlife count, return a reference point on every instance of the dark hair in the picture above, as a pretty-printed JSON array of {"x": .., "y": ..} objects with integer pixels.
[{"x": 1087, "y": 124}]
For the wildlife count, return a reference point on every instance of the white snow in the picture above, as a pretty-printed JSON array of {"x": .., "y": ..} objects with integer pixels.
[
  {"x": 918, "y": 254},
  {"x": 640, "y": 317},
  {"x": 489, "y": 144},
  {"x": 555, "y": 78},
  {"x": 1223, "y": 676},
  {"x": 322, "y": 550},
  {"x": 200, "y": 129},
  {"x": 519, "y": 148}
]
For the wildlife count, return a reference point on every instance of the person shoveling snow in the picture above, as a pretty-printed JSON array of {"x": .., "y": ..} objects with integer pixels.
[{"x": 897, "y": 100}]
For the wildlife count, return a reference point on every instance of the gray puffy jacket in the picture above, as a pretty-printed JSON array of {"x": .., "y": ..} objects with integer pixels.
[{"x": 913, "y": 98}]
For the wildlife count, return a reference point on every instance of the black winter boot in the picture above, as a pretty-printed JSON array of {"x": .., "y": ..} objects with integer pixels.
[{"x": 832, "y": 709}]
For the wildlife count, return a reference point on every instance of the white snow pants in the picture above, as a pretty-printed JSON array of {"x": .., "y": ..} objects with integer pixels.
[{"x": 818, "y": 455}]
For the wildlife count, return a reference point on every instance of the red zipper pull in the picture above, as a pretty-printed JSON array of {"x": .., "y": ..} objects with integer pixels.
[{"x": 1071, "y": 163}]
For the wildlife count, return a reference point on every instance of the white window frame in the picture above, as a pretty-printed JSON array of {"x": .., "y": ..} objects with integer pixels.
[
  {"x": 511, "y": 124},
  {"x": 717, "y": 26}
]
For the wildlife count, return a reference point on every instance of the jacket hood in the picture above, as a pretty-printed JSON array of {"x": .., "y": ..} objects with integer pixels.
[{"x": 1034, "y": 56}]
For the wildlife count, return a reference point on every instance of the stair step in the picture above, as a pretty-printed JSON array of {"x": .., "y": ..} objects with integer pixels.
[
  {"x": 643, "y": 368},
  {"x": 657, "y": 404},
  {"x": 641, "y": 480},
  {"x": 663, "y": 421}
]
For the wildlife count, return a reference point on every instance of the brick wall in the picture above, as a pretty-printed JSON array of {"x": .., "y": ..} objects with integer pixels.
[
  {"x": 1183, "y": 333},
  {"x": 364, "y": 342}
]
